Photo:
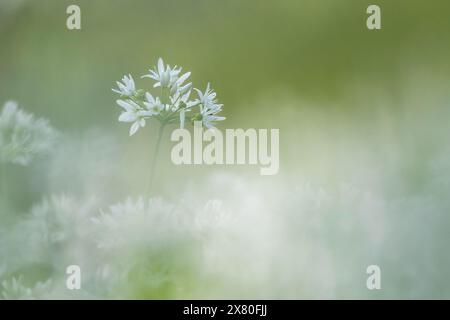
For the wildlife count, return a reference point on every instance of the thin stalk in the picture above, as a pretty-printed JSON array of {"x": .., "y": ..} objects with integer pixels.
[{"x": 155, "y": 157}]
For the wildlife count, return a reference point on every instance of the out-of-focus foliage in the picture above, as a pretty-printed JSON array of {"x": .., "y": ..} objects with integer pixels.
[{"x": 21, "y": 136}]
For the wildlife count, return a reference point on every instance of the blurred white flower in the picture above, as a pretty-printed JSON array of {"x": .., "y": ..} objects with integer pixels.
[
  {"x": 155, "y": 240},
  {"x": 213, "y": 217},
  {"x": 57, "y": 229},
  {"x": 127, "y": 88},
  {"x": 14, "y": 289},
  {"x": 133, "y": 223},
  {"x": 22, "y": 137}
]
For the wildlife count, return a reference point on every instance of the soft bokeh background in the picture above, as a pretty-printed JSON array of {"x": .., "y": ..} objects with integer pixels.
[{"x": 364, "y": 157}]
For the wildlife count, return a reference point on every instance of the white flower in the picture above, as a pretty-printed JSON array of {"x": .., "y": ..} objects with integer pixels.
[
  {"x": 209, "y": 107},
  {"x": 153, "y": 104},
  {"x": 178, "y": 88},
  {"x": 133, "y": 113},
  {"x": 172, "y": 104},
  {"x": 22, "y": 137},
  {"x": 182, "y": 104},
  {"x": 208, "y": 99},
  {"x": 209, "y": 117},
  {"x": 127, "y": 88},
  {"x": 165, "y": 76}
]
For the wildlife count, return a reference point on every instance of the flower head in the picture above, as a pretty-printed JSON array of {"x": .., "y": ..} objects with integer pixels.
[
  {"x": 173, "y": 103},
  {"x": 22, "y": 136}
]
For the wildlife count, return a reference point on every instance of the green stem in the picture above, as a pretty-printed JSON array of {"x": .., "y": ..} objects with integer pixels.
[{"x": 155, "y": 157}]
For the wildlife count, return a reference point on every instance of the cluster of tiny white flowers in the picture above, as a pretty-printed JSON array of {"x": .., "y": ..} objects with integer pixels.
[
  {"x": 173, "y": 103},
  {"x": 22, "y": 137}
]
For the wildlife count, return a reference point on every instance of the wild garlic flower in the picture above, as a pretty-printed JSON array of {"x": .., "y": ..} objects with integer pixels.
[
  {"x": 133, "y": 113},
  {"x": 165, "y": 76},
  {"x": 153, "y": 104},
  {"x": 127, "y": 88},
  {"x": 208, "y": 99},
  {"x": 22, "y": 136},
  {"x": 208, "y": 107},
  {"x": 173, "y": 102}
]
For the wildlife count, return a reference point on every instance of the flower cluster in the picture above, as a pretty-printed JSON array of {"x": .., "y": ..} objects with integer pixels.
[
  {"x": 172, "y": 104},
  {"x": 22, "y": 137},
  {"x": 132, "y": 223}
]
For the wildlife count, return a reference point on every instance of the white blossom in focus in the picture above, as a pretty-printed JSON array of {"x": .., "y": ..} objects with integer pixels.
[
  {"x": 133, "y": 113},
  {"x": 164, "y": 76},
  {"x": 126, "y": 87},
  {"x": 209, "y": 108},
  {"x": 208, "y": 99},
  {"x": 153, "y": 104},
  {"x": 172, "y": 103}
]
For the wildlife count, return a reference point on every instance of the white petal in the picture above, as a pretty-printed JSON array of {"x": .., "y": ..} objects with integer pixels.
[
  {"x": 145, "y": 113},
  {"x": 160, "y": 66},
  {"x": 183, "y": 78},
  {"x": 200, "y": 94},
  {"x": 122, "y": 87},
  {"x": 185, "y": 88},
  {"x": 134, "y": 128},
  {"x": 131, "y": 83},
  {"x": 124, "y": 105},
  {"x": 127, "y": 117},
  {"x": 149, "y": 97}
]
